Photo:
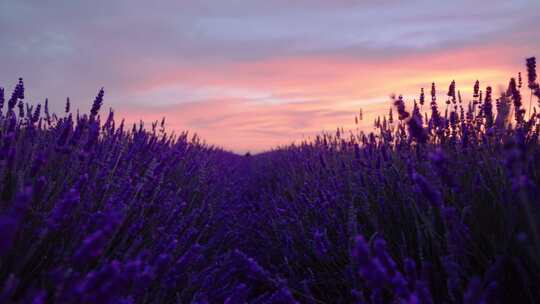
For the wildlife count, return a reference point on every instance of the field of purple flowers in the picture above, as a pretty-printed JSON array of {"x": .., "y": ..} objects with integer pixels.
[{"x": 440, "y": 207}]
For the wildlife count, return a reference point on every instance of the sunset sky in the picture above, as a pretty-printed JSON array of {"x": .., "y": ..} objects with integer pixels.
[{"x": 250, "y": 75}]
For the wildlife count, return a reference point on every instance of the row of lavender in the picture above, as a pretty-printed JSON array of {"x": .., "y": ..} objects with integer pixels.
[
  {"x": 427, "y": 209},
  {"x": 93, "y": 212},
  {"x": 441, "y": 208}
]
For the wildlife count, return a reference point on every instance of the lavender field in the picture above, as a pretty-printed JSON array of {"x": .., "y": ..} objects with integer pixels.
[{"x": 438, "y": 204}]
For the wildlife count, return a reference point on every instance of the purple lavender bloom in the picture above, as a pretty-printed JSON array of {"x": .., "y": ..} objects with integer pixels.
[
  {"x": 433, "y": 195},
  {"x": 91, "y": 248},
  {"x": 360, "y": 251},
  {"x": 37, "y": 112},
  {"x": 380, "y": 251},
  {"x": 400, "y": 106},
  {"x": 476, "y": 89},
  {"x": 239, "y": 295},
  {"x": 188, "y": 259},
  {"x": 452, "y": 90},
  {"x": 377, "y": 269},
  {"x": 62, "y": 211},
  {"x": 488, "y": 108},
  {"x": 422, "y": 97},
  {"x": 440, "y": 162},
  {"x": 531, "y": 73},
  {"x": 416, "y": 129},
  {"x": 321, "y": 244},
  {"x": 97, "y": 103},
  {"x": 104, "y": 285},
  {"x": 253, "y": 268},
  {"x": 2, "y": 98},
  {"x": 435, "y": 120},
  {"x": 516, "y": 98},
  {"x": 283, "y": 295},
  {"x": 143, "y": 279},
  {"x": 20, "y": 105},
  {"x": 18, "y": 93},
  {"x": 66, "y": 130},
  {"x": 400, "y": 286}
]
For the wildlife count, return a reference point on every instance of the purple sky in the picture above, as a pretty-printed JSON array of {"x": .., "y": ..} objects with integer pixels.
[{"x": 248, "y": 75}]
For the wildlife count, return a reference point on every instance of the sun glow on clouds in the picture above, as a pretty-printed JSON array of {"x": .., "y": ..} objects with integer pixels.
[
  {"x": 250, "y": 75},
  {"x": 263, "y": 104}
]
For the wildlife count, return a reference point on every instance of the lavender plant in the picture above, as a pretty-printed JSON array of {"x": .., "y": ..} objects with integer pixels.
[{"x": 428, "y": 208}]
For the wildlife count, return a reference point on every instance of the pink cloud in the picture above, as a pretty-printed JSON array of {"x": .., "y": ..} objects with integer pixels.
[{"x": 309, "y": 94}]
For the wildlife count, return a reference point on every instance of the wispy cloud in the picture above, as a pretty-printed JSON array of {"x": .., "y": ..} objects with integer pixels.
[{"x": 251, "y": 74}]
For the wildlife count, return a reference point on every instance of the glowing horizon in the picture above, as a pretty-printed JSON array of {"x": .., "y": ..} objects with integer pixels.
[{"x": 252, "y": 75}]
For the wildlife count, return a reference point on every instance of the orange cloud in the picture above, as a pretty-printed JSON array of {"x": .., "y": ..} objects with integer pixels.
[
  {"x": 243, "y": 126},
  {"x": 303, "y": 96},
  {"x": 294, "y": 74}
]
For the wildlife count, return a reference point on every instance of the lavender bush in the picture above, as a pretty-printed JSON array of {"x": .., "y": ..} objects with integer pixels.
[{"x": 439, "y": 204}]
